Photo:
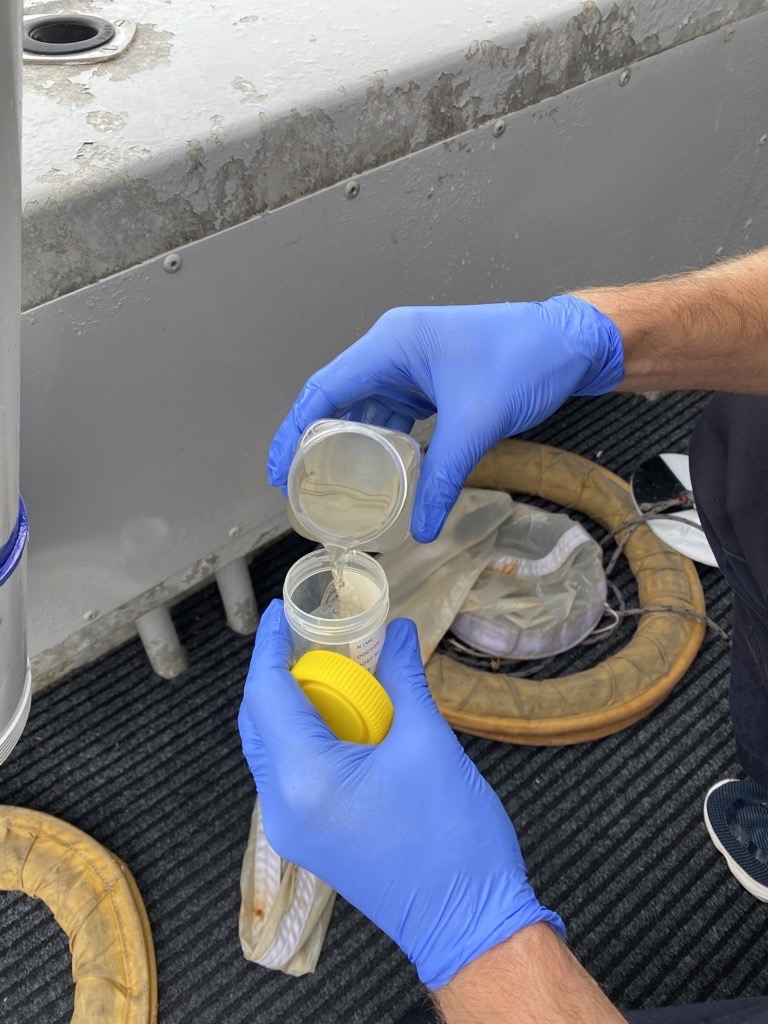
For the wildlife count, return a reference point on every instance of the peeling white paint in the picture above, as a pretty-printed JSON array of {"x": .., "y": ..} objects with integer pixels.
[{"x": 221, "y": 111}]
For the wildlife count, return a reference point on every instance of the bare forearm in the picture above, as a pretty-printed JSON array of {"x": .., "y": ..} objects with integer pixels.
[
  {"x": 705, "y": 330},
  {"x": 532, "y": 978}
]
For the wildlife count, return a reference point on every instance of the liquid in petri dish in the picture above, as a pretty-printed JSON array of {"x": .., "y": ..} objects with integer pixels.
[{"x": 348, "y": 487}]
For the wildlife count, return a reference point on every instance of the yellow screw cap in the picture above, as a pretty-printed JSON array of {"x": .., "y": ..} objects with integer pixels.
[{"x": 353, "y": 703}]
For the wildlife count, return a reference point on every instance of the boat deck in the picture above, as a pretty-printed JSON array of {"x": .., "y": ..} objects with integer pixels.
[{"x": 611, "y": 830}]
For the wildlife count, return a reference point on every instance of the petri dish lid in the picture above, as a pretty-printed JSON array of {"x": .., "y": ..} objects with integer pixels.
[
  {"x": 347, "y": 483},
  {"x": 352, "y": 702}
]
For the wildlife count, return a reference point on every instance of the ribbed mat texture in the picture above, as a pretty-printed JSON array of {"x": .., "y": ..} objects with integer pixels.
[{"x": 612, "y": 830}]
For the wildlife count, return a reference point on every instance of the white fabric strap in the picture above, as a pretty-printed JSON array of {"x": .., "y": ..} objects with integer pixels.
[
  {"x": 268, "y": 870},
  {"x": 573, "y": 538}
]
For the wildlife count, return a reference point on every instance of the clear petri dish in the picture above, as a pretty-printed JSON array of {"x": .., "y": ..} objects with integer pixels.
[{"x": 351, "y": 485}]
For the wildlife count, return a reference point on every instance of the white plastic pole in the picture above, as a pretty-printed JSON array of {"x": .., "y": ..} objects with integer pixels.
[{"x": 15, "y": 682}]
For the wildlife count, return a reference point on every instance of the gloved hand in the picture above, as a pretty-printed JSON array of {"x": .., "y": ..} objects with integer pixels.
[
  {"x": 490, "y": 371},
  {"x": 407, "y": 831}
]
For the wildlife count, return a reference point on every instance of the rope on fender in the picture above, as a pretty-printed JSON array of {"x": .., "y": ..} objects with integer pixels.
[
  {"x": 95, "y": 900},
  {"x": 626, "y": 686}
]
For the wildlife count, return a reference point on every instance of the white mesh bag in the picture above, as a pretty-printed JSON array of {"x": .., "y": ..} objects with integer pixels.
[{"x": 542, "y": 592}]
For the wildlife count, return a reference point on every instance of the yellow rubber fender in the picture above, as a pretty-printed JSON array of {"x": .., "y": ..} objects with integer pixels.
[
  {"x": 95, "y": 900},
  {"x": 628, "y": 685}
]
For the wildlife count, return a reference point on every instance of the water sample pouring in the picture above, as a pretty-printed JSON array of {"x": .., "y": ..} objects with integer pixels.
[
  {"x": 351, "y": 487},
  {"x": 349, "y": 619}
]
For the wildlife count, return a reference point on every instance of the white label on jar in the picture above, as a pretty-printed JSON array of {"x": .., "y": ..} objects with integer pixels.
[{"x": 366, "y": 652}]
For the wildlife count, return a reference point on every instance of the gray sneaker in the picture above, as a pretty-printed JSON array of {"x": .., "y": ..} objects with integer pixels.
[{"x": 736, "y": 816}]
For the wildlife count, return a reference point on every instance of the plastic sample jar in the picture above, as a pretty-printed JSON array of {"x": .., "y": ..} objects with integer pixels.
[
  {"x": 352, "y": 623},
  {"x": 353, "y": 703},
  {"x": 351, "y": 485}
]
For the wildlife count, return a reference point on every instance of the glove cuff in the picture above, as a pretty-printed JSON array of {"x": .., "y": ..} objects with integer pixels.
[
  {"x": 598, "y": 337},
  {"x": 435, "y": 976}
]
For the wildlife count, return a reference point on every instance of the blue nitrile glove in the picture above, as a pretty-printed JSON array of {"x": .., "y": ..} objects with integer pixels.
[
  {"x": 490, "y": 371},
  {"x": 408, "y": 831}
]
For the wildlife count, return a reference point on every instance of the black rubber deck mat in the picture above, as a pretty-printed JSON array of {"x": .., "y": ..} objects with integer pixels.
[{"x": 612, "y": 830}]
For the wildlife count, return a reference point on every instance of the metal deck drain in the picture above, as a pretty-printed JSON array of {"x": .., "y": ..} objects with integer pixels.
[{"x": 75, "y": 38}]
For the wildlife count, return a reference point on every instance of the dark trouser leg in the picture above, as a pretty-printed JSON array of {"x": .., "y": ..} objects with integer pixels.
[
  {"x": 729, "y": 468},
  {"x": 731, "y": 1011}
]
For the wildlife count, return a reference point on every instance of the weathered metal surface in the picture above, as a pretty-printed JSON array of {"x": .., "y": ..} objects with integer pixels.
[
  {"x": 161, "y": 643},
  {"x": 220, "y": 112},
  {"x": 149, "y": 398},
  {"x": 236, "y": 590}
]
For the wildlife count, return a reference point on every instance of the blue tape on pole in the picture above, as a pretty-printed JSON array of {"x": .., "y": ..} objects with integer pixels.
[{"x": 13, "y": 549}]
